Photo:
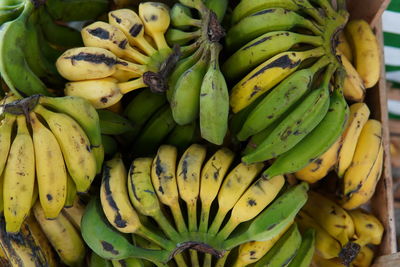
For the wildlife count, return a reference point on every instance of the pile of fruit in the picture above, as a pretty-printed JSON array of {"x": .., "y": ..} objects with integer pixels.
[{"x": 124, "y": 143}]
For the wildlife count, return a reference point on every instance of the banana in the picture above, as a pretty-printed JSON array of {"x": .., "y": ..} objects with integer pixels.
[
  {"x": 261, "y": 49},
  {"x": 369, "y": 229},
  {"x": 344, "y": 46},
  {"x": 318, "y": 261},
  {"x": 326, "y": 246},
  {"x": 330, "y": 216},
  {"x": 320, "y": 167},
  {"x": 6, "y": 129},
  {"x": 75, "y": 147},
  {"x": 292, "y": 129},
  {"x": 112, "y": 123},
  {"x": 163, "y": 176},
  {"x": 365, "y": 155},
  {"x": 132, "y": 26},
  {"x": 252, "y": 202},
  {"x": 130, "y": 262},
  {"x": 359, "y": 114},
  {"x": 267, "y": 20},
  {"x": 176, "y": 36},
  {"x": 219, "y": 7},
  {"x": 110, "y": 145},
  {"x": 214, "y": 101},
  {"x": 97, "y": 261},
  {"x": 185, "y": 103},
  {"x": 366, "y": 191},
  {"x": 82, "y": 112},
  {"x": 212, "y": 175},
  {"x": 183, "y": 136},
  {"x": 182, "y": 18},
  {"x": 279, "y": 100},
  {"x": 103, "y": 35},
  {"x": 51, "y": 172},
  {"x": 143, "y": 196},
  {"x": 1, "y": 194},
  {"x": 76, "y": 10},
  {"x": 305, "y": 252},
  {"x": 156, "y": 20},
  {"x": 10, "y": 13},
  {"x": 267, "y": 75},
  {"x": 154, "y": 132},
  {"x": 14, "y": 68},
  {"x": 19, "y": 178},
  {"x": 366, "y": 51},
  {"x": 74, "y": 213},
  {"x": 234, "y": 185},
  {"x": 252, "y": 251},
  {"x": 364, "y": 257},
  {"x": 237, "y": 120},
  {"x": 87, "y": 63},
  {"x": 353, "y": 88},
  {"x": 124, "y": 76},
  {"x": 315, "y": 143},
  {"x": 283, "y": 252},
  {"x": 63, "y": 237}
]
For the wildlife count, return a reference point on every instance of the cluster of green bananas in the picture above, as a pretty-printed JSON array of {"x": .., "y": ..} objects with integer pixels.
[
  {"x": 118, "y": 57},
  {"x": 197, "y": 87},
  {"x": 282, "y": 58},
  {"x": 340, "y": 236},
  {"x": 32, "y": 41},
  {"x": 41, "y": 240},
  {"x": 158, "y": 200},
  {"x": 50, "y": 148}
]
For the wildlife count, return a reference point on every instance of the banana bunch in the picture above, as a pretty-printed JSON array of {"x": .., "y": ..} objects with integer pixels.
[
  {"x": 195, "y": 204},
  {"x": 51, "y": 149},
  {"x": 127, "y": 53},
  {"x": 10, "y": 9},
  {"x": 197, "y": 87}
]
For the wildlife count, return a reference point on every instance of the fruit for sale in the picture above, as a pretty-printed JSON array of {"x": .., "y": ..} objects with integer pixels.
[
  {"x": 353, "y": 87},
  {"x": 112, "y": 123},
  {"x": 364, "y": 257},
  {"x": 305, "y": 252},
  {"x": 369, "y": 230},
  {"x": 344, "y": 46}
]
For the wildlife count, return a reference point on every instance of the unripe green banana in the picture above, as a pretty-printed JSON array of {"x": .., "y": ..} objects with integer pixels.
[
  {"x": 182, "y": 18},
  {"x": 176, "y": 36},
  {"x": 273, "y": 19},
  {"x": 97, "y": 261},
  {"x": 110, "y": 145},
  {"x": 305, "y": 252},
  {"x": 218, "y": 7},
  {"x": 214, "y": 101},
  {"x": 184, "y": 102},
  {"x": 113, "y": 123},
  {"x": 76, "y": 10},
  {"x": 182, "y": 136}
]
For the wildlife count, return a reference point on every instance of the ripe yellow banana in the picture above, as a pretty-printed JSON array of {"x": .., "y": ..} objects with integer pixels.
[
  {"x": 364, "y": 257},
  {"x": 319, "y": 261},
  {"x": 320, "y": 167},
  {"x": 51, "y": 173},
  {"x": 64, "y": 238},
  {"x": 1, "y": 194},
  {"x": 267, "y": 75},
  {"x": 74, "y": 213},
  {"x": 369, "y": 230},
  {"x": 6, "y": 127},
  {"x": 233, "y": 187},
  {"x": 71, "y": 192},
  {"x": 353, "y": 87},
  {"x": 212, "y": 176},
  {"x": 19, "y": 178},
  {"x": 359, "y": 114},
  {"x": 365, "y": 155},
  {"x": 344, "y": 46},
  {"x": 75, "y": 146},
  {"x": 366, "y": 51}
]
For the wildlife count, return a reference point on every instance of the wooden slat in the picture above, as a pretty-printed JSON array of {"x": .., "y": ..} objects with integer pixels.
[
  {"x": 369, "y": 10},
  {"x": 392, "y": 260}
]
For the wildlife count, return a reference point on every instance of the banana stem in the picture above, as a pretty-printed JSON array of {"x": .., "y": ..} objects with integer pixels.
[
  {"x": 221, "y": 261},
  {"x": 180, "y": 261},
  {"x": 313, "y": 40},
  {"x": 127, "y": 87},
  {"x": 143, "y": 44},
  {"x": 149, "y": 235},
  {"x": 194, "y": 258},
  {"x": 207, "y": 260},
  {"x": 129, "y": 66},
  {"x": 326, "y": 6},
  {"x": 160, "y": 41},
  {"x": 192, "y": 214},
  {"x": 204, "y": 217},
  {"x": 137, "y": 56},
  {"x": 228, "y": 229},
  {"x": 178, "y": 218},
  {"x": 218, "y": 219},
  {"x": 328, "y": 75},
  {"x": 167, "y": 227},
  {"x": 310, "y": 10},
  {"x": 322, "y": 62}
]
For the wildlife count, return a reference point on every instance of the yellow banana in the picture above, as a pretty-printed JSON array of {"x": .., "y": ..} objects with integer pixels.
[
  {"x": 51, "y": 173},
  {"x": 344, "y": 46},
  {"x": 330, "y": 216},
  {"x": 267, "y": 75},
  {"x": 369, "y": 230},
  {"x": 124, "y": 76},
  {"x": 364, "y": 257},
  {"x": 74, "y": 213},
  {"x": 6, "y": 127},
  {"x": 359, "y": 114},
  {"x": 251, "y": 252},
  {"x": 19, "y": 178},
  {"x": 71, "y": 192},
  {"x": 233, "y": 187},
  {"x": 1, "y": 194},
  {"x": 75, "y": 147},
  {"x": 366, "y": 51},
  {"x": 319, "y": 261},
  {"x": 320, "y": 167},
  {"x": 365, "y": 155},
  {"x": 212, "y": 176},
  {"x": 353, "y": 87},
  {"x": 62, "y": 235}
]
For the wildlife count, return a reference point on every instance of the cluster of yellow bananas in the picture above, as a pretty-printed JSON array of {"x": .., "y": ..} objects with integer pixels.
[
  {"x": 50, "y": 148},
  {"x": 341, "y": 237},
  {"x": 40, "y": 239},
  {"x": 130, "y": 46}
]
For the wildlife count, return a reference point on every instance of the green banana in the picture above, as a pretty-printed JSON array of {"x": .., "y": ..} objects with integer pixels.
[
  {"x": 10, "y": 13},
  {"x": 306, "y": 251},
  {"x": 97, "y": 261},
  {"x": 113, "y": 123},
  {"x": 76, "y": 10},
  {"x": 110, "y": 145},
  {"x": 300, "y": 122},
  {"x": 261, "y": 49},
  {"x": 272, "y": 220},
  {"x": 214, "y": 101},
  {"x": 50, "y": 52},
  {"x": 154, "y": 132},
  {"x": 130, "y": 262},
  {"x": 176, "y": 36},
  {"x": 316, "y": 142},
  {"x": 282, "y": 253},
  {"x": 280, "y": 100},
  {"x": 107, "y": 242},
  {"x": 219, "y": 7},
  {"x": 259, "y": 137},
  {"x": 273, "y": 19},
  {"x": 182, "y": 136},
  {"x": 13, "y": 66},
  {"x": 182, "y": 18},
  {"x": 186, "y": 94},
  {"x": 85, "y": 114}
]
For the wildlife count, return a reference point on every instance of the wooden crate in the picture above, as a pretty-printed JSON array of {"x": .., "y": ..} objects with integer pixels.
[{"x": 382, "y": 201}]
